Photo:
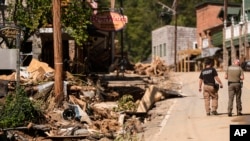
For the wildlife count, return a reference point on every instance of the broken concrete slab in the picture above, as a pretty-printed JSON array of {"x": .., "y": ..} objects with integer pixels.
[{"x": 152, "y": 94}]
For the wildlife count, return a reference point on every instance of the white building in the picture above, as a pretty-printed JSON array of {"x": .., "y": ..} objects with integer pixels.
[{"x": 163, "y": 42}]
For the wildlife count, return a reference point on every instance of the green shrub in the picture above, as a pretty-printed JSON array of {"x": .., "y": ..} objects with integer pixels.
[
  {"x": 126, "y": 103},
  {"x": 18, "y": 110}
]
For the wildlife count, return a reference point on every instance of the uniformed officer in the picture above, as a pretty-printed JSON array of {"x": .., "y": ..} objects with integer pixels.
[
  {"x": 234, "y": 74},
  {"x": 208, "y": 76}
]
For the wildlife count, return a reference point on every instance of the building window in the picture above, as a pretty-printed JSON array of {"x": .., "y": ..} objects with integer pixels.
[
  {"x": 160, "y": 50},
  {"x": 154, "y": 51},
  {"x": 205, "y": 43},
  {"x": 195, "y": 46},
  {"x": 164, "y": 49}
]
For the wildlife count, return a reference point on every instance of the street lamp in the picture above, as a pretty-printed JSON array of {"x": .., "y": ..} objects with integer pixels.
[{"x": 2, "y": 8}]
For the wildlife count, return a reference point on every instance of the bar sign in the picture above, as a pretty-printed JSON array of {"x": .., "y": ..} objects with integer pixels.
[{"x": 239, "y": 132}]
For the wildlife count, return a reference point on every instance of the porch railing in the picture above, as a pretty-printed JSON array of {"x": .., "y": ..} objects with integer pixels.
[{"x": 237, "y": 32}]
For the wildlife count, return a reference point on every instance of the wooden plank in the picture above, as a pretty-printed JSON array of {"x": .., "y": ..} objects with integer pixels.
[
  {"x": 126, "y": 83},
  {"x": 67, "y": 137}
]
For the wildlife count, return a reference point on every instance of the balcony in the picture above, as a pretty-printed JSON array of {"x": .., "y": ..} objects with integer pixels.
[{"x": 236, "y": 31}]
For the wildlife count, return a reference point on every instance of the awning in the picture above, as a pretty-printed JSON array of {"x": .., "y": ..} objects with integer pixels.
[
  {"x": 208, "y": 52},
  {"x": 189, "y": 52},
  {"x": 231, "y": 12}
]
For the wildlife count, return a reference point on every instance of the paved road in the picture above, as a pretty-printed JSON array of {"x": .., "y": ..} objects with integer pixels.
[{"x": 186, "y": 119}]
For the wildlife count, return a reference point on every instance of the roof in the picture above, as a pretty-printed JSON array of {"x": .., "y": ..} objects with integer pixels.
[
  {"x": 215, "y": 2},
  {"x": 189, "y": 52},
  {"x": 231, "y": 11},
  {"x": 207, "y": 52}
]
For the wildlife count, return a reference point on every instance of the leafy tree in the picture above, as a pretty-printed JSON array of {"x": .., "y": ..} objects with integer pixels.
[
  {"x": 30, "y": 16},
  {"x": 143, "y": 16},
  {"x": 38, "y": 13},
  {"x": 75, "y": 20},
  {"x": 147, "y": 15},
  {"x": 142, "y": 20}
]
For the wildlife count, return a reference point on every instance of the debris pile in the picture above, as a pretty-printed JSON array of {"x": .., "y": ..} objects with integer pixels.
[
  {"x": 102, "y": 107},
  {"x": 156, "y": 68}
]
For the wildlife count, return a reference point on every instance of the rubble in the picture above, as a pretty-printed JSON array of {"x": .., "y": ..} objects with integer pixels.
[{"x": 105, "y": 107}]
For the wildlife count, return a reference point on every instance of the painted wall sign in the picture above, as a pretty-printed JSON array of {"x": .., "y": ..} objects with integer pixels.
[{"x": 109, "y": 21}]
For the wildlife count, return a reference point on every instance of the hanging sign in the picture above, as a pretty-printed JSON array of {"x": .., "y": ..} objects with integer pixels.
[
  {"x": 109, "y": 21},
  {"x": 10, "y": 32}
]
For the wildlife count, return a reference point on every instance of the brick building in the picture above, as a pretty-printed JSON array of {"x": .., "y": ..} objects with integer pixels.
[
  {"x": 196, "y": 44},
  {"x": 210, "y": 23},
  {"x": 207, "y": 20}
]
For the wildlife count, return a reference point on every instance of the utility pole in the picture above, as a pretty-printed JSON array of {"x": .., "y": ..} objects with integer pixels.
[
  {"x": 58, "y": 64},
  {"x": 233, "y": 50},
  {"x": 242, "y": 22},
  {"x": 245, "y": 23},
  {"x": 225, "y": 52},
  {"x": 174, "y": 11},
  {"x": 112, "y": 5},
  {"x": 241, "y": 48},
  {"x": 122, "y": 43},
  {"x": 175, "y": 35}
]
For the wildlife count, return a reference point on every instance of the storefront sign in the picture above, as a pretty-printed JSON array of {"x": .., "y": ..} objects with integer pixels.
[
  {"x": 10, "y": 32},
  {"x": 109, "y": 21}
]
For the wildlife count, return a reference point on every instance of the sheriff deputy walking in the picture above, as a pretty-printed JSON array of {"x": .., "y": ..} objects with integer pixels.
[
  {"x": 234, "y": 74},
  {"x": 210, "y": 93}
]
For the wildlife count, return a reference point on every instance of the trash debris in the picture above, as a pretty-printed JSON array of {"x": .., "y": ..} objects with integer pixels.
[
  {"x": 100, "y": 107},
  {"x": 69, "y": 114},
  {"x": 44, "y": 86}
]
